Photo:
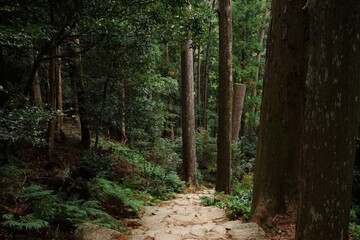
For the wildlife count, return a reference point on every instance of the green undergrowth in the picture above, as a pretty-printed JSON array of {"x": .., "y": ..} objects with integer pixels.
[
  {"x": 101, "y": 186},
  {"x": 238, "y": 204},
  {"x": 354, "y": 226},
  {"x": 147, "y": 175}
]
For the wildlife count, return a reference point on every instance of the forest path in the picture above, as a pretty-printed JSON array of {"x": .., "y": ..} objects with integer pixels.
[{"x": 183, "y": 218}]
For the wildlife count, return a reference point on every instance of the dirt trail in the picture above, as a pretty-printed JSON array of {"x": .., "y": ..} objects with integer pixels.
[{"x": 183, "y": 218}]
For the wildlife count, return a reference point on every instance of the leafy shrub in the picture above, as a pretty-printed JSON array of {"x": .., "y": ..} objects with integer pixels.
[
  {"x": 154, "y": 177},
  {"x": 26, "y": 124},
  {"x": 237, "y": 205},
  {"x": 111, "y": 192},
  {"x": 43, "y": 208},
  {"x": 102, "y": 164},
  {"x": 354, "y": 230}
]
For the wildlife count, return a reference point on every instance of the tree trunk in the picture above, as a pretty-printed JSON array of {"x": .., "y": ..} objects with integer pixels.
[
  {"x": 123, "y": 113},
  {"x": 237, "y": 108},
  {"x": 206, "y": 86},
  {"x": 206, "y": 71},
  {"x": 37, "y": 90},
  {"x": 188, "y": 113},
  {"x": 58, "y": 77},
  {"x": 223, "y": 173},
  {"x": 198, "y": 83},
  {"x": 331, "y": 112},
  {"x": 53, "y": 71},
  {"x": 278, "y": 150},
  {"x": 79, "y": 80}
]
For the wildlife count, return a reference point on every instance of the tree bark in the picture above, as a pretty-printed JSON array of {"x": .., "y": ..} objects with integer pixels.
[
  {"x": 276, "y": 176},
  {"x": 206, "y": 71},
  {"x": 80, "y": 87},
  {"x": 37, "y": 90},
  {"x": 53, "y": 71},
  {"x": 206, "y": 84},
  {"x": 223, "y": 173},
  {"x": 123, "y": 113},
  {"x": 237, "y": 109},
  {"x": 188, "y": 113},
  {"x": 198, "y": 84},
  {"x": 58, "y": 77},
  {"x": 331, "y": 112}
]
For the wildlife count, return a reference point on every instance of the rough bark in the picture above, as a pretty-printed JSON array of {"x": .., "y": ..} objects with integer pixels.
[
  {"x": 331, "y": 112},
  {"x": 206, "y": 73},
  {"x": 53, "y": 100},
  {"x": 278, "y": 150},
  {"x": 37, "y": 91},
  {"x": 206, "y": 86},
  {"x": 58, "y": 77},
  {"x": 80, "y": 87},
  {"x": 188, "y": 113},
  {"x": 123, "y": 113},
  {"x": 237, "y": 109},
  {"x": 223, "y": 173},
  {"x": 198, "y": 84}
]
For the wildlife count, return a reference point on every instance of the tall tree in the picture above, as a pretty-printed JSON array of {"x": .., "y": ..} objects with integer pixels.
[
  {"x": 330, "y": 129},
  {"x": 278, "y": 151},
  {"x": 188, "y": 112},
  {"x": 237, "y": 109},
  {"x": 223, "y": 173},
  {"x": 77, "y": 74}
]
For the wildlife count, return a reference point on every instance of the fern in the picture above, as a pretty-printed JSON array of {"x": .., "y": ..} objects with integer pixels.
[
  {"x": 34, "y": 191},
  {"x": 27, "y": 222},
  {"x": 103, "y": 189}
]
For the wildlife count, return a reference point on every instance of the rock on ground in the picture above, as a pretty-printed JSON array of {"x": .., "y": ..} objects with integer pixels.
[{"x": 90, "y": 231}]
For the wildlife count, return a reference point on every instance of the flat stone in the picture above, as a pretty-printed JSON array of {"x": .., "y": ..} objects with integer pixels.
[
  {"x": 219, "y": 229},
  {"x": 178, "y": 230},
  {"x": 209, "y": 225},
  {"x": 215, "y": 236},
  {"x": 198, "y": 232},
  {"x": 232, "y": 225},
  {"x": 250, "y": 231},
  {"x": 165, "y": 236},
  {"x": 137, "y": 237},
  {"x": 153, "y": 232},
  {"x": 89, "y": 231}
]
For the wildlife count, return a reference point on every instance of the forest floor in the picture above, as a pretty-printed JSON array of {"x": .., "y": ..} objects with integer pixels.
[{"x": 184, "y": 218}]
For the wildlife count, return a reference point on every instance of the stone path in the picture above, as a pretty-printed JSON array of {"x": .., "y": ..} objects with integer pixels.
[{"x": 183, "y": 218}]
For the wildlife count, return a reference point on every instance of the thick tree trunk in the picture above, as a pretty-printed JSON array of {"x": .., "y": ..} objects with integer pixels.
[
  {"x": 223, "y": 173},
  {"x": 278, "y": 151},
  {"x": 331, "y": 112},
  {"x": 188, "y": 113},
  {"x": 237, "y": 109}
]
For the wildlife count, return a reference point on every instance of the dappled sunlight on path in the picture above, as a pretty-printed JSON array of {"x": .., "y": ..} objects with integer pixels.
[{"x": 183, "y": 218}]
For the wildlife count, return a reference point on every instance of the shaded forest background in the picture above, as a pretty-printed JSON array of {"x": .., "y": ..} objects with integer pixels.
[{"x": 91, "y": 110}]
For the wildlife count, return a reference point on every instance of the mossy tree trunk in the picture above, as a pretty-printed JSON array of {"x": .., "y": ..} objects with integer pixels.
[{"x": 276, "y": 176}]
